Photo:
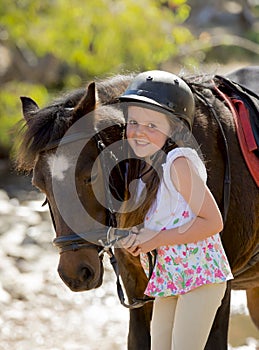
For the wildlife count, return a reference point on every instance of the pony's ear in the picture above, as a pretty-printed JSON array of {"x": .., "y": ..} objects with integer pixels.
[
  {"x": 28, "y": 106},
  {"x": 87, "y": 103}
]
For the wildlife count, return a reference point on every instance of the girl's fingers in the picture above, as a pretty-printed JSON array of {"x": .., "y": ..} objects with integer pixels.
[
  {"x": 131, "y": 244},
  {"x": 134, "y": 229},
  {"x": 135, "y": 249},
  {"x": 136, "y": 252},
  {"x": 129, "y": 241}
]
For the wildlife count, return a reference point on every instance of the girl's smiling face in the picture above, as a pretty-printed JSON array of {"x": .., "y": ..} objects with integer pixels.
[{"x": 147, "y": 130}]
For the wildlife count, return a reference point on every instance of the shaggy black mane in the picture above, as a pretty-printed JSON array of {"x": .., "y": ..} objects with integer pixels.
[{"x": 49, "y": 124}]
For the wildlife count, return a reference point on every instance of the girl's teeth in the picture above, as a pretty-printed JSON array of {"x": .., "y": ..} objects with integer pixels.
[{"x": 141, "y": 142}]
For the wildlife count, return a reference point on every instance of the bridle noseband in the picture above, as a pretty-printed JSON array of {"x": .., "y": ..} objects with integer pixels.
[{"x": 100, "y": 238}]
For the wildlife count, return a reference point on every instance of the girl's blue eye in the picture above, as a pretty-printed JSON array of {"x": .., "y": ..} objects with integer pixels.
[
  {"x": 132, "y": 122},
  {"x": 151, "y": 126}
]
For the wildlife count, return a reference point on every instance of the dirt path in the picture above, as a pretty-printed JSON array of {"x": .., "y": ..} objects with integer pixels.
[{"x": 38, "y": 312}]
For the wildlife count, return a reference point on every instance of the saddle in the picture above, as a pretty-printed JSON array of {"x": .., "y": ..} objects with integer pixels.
[{"x": 244, "y": 105}]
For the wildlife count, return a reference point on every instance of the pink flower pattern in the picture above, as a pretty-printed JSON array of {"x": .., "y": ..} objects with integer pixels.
[
  {"x": 179, "y": 271},
  {"x": 181, "y": 268}
]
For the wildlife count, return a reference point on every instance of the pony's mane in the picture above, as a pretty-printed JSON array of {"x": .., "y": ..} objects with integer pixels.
[{"x": 50, "y": 123}]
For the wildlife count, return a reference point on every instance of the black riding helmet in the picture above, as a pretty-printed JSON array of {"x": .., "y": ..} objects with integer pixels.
[{"x": 163, "y": 90}]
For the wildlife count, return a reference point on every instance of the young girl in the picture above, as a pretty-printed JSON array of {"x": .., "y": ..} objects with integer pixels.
[{"x": 179, "y": 217}]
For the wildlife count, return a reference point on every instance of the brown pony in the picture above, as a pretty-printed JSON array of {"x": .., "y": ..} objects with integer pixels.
[{"x": 93, "y": 121}]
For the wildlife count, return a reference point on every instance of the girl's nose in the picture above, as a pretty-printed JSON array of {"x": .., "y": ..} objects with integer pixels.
[{"x": 140, "y": 129}]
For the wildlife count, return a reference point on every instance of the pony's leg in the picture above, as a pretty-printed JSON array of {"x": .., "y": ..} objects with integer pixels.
[
  {"x": 139, "y": 328},
  {"x": 218, "y": 338},
  {"x": 252, "y": 296},
  {"x": 135, "y": 282}
]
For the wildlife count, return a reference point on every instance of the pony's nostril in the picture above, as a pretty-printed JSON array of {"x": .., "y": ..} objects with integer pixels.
[{"x": 85, "y": 274}]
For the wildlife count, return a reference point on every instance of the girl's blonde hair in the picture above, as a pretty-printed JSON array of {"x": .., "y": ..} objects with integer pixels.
[{"x": 135, "y": 206}]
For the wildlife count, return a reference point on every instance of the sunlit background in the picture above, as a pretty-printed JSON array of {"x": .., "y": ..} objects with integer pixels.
[{"x": 46, "y": 48}]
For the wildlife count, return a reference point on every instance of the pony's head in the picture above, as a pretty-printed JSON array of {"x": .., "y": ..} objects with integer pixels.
[{"x": 61, "y": 144}]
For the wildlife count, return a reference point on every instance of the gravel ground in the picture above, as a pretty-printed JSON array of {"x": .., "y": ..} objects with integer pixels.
[{"x": 38, "y": 312}]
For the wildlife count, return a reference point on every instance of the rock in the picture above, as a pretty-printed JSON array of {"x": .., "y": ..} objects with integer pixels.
[
  {"x": 27, "y": 215},
  {"x": 14, "y": 236},
  {"x": 5, "y": 207},
  {"x": 4, "y": 196},
  {"x": 4, "y": 295}
]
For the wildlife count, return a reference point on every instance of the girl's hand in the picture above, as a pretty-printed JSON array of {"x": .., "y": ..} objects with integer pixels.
[
  {"x": 147, "y": 240},
  {"x": 144, "y": 241},
  {"x": 131, "y": 243}
]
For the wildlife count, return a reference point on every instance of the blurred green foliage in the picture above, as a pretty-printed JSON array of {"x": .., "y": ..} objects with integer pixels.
[
  {"x": 98, "y": 36},
  {"x": 92, "y": 38},
  {"x": 10, "y": 109}
]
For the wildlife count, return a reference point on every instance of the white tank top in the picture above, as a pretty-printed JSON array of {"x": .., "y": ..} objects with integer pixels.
[{"x": 181, "y": 268}]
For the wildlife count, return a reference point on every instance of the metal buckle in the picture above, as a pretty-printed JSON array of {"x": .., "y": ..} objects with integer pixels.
[{"x": 108, "y": 244}]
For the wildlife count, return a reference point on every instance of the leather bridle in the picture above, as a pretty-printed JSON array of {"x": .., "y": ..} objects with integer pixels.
[{"x": 103, "y": 239}]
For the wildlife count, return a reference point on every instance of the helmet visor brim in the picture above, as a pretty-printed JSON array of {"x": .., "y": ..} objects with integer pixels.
[{"x": 144, "y": 102}]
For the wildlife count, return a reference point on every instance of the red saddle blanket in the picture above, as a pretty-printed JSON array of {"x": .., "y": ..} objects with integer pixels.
[{"x": 244, "y": 132}]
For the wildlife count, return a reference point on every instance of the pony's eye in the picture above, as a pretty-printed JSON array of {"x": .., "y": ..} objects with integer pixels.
[{"x": 90, "y": 179}]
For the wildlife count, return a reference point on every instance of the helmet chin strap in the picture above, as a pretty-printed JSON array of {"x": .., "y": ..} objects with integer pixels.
[{"x": 145, "y": 172}]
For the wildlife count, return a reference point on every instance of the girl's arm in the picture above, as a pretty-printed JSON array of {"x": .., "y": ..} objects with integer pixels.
[{"x": 208, "y": 219}]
